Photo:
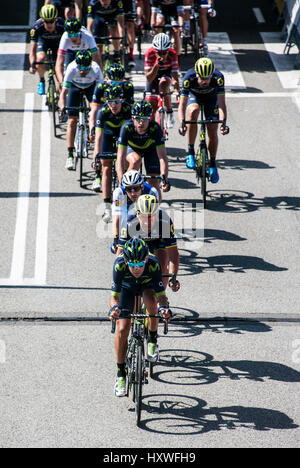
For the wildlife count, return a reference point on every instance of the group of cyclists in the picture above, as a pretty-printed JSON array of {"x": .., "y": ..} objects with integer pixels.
[{"x": 144, "y": 240}]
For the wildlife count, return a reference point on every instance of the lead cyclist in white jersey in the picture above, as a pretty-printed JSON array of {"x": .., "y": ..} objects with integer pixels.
[{"x": 81, "y": 75}]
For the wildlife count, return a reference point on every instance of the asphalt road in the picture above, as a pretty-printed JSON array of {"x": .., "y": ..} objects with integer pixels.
[{"x": 220, "y": 383}]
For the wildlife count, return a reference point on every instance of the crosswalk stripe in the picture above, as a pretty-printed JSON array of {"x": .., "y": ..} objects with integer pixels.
[
  {"x": 283, "y": 63},
  {"x": 12, "y": 56}
]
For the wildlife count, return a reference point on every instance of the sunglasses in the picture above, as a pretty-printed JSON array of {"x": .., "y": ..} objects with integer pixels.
[
  {"x": 142, "y": 119},
  {"x": 49, "y": 21},
  {"x": 133, "y": 189},
  {"x": 82, "y": 68},
  {"x": 136, "y": 264},
  {"x": 114, "y": 101},
  {"x": 74, "y": 34},
  {"x": 162, "y": 52}
]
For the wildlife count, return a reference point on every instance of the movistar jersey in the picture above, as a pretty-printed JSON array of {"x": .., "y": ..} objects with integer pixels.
[
  {"x": 190, "y": 84},
  {"x": 153, "y": 138},
  {"x": 106, "y": 119},
  {"x": 151, "y": 277},
  {"x": 128, "y": 91}
]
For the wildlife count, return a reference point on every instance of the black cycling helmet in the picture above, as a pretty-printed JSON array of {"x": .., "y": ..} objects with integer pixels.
[
  {"x": 72, "y": 25},
  {"x": 113, "y": 92},
  {"x": 83, "y": 58},
  {"x": 115, "y": 72},
  {"x": 135, "y": 250},
  {"x": 141, "y": 109}
]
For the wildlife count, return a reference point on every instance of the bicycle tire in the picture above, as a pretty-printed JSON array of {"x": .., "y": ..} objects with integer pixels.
[
  {"x": 139, "y": 371},
  {"x": 81, "y": 155},
  {"x": 203, "y": 175},
  {"x": 52, "y": 92}
]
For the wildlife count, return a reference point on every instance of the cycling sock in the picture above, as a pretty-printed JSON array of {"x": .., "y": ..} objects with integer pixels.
[
  {"x": 70, "y": 151},
  {"x": 131, "y": 52},
  {"x": 42, "y": 80},
  {"x": 191, "y": 149},
  {"x": 121, "y": 370},
  {"x": 212, "y": 162},
  {"x": 152, "y": 336},
  {"x": 107, "y": 200}
]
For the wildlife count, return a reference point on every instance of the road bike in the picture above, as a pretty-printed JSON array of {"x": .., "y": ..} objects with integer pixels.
[
  {"x": 82, "y": 135},
  {"x": 136, "y": 364},
  {"x": 51, "y": 92},
  {"x": 107, "y": 58},
  {"x": 161, "y": 111},
  {"x": 201, "y": 157}
]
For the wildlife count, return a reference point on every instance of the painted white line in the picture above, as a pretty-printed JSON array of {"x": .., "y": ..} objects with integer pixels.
[
  {"x": 18, "y": 258},
  {"x": 263, "y": 95},
  {"x": 259, "y": 16},
  {"x": 283, "y": 63},
  {"x": 41, "y": 254},
  {"x": 12, "y": 56},
  {"x": 222, "y": 53}
]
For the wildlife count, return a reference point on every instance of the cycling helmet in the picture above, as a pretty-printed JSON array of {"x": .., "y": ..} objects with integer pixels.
[
  {"x": 72, "y": 25},
  {"x": 115, "y": 72},
  {"x": 135, "y": 250},
  {"x": 161, "y": 42},
  {"x": 48, "y": 13},
  {"x": 204, "y": 67},
  {"x": 83, "y": 58},
  {"x": 113, "y": 92},
  {"x": 132, "y": 177},
  {"x": 146, "y": 205},
  {"x": 141, "y": 109}
]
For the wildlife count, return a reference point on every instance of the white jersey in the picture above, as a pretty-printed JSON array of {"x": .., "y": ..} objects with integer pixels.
[
  {"x": 122, "y": 203},
  {"x": 87, "y": 42},
  {"x": 72, "y": 76}
]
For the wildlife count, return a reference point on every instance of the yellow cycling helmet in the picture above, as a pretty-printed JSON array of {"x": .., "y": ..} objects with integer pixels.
[
  {"x": 146, "y": 205},
  {"x": 48, "y": 13},
  {"x": 204, "y": 67}
]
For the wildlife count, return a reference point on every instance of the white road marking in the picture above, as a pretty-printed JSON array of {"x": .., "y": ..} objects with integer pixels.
[
  {"x": 41, "y": 254},
  {"x": 283, "y": 63},
  {"x": 12, "y": 55},
  {"x": 259, "y": 16},
  {"x": 19, "y": 249}
]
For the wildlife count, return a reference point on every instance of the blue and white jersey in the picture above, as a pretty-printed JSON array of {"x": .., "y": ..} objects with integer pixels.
[
  {"x": 122, "y": 203},
  {"x": 72, "y": 76}
]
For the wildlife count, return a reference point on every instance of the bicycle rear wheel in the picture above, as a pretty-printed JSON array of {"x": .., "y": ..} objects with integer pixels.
[
  {"x": 53, "y": 104},
  {"x": 139, "y": 376}
]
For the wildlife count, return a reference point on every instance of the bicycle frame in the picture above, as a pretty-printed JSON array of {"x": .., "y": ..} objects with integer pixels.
[{"x": 107, "y": 57}]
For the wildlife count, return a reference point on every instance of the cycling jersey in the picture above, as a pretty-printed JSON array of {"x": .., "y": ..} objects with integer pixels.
[
  {"x": 128, "y": 92},
  {"x": 114, "y": 10},
  {"x": 160, "y": 234},
  {"x": 87, "y": 42},
  {"x": 39, "y": 32},
  {"x": 150, "y": 279},
  {"x": 63, "y": 3},
  {"x": 107, "y": 120},
  {"x": 169, "y": 66},
  {"x": 72, "y": 76},
  {"x": 190, "y": 85},
  {"x": 158, "y": 4},
  {"x": 122, "y": 203},
  {"x": 152, "y": 138}
]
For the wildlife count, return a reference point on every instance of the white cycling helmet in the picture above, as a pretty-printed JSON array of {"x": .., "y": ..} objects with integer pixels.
[
  {"x": 161, "y": 42},
  {"x": 132, "y": 177}
]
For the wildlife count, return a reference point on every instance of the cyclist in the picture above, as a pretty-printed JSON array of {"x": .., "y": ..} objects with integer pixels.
[
  {"x": 110, "y": 118},
  {"x": 45, "y": 34},
  {"x": 153, "y": 224},
  {"x": 75, "y": 38},
  {"x": 124, "y": 197},
  {"x": 135, "y": 271},
  {"x": 81, "y": 76},
  {"x": 103, "y": 14},
  {"x": 205, "y": 8},
  {"x": 115, "y": 76},
  {"x": 170, "y": 12},
  {"x": 203, "y": 84},
  {"x": 140, "y": 138},
  {"x": 67, "y": 8},
  {"x": 161, "y": 67}
]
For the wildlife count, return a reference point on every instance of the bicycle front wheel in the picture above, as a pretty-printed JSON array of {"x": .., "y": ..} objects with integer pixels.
[
  {"x": 53, "y": 102},
  {"x": 139, "y": 371}
]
